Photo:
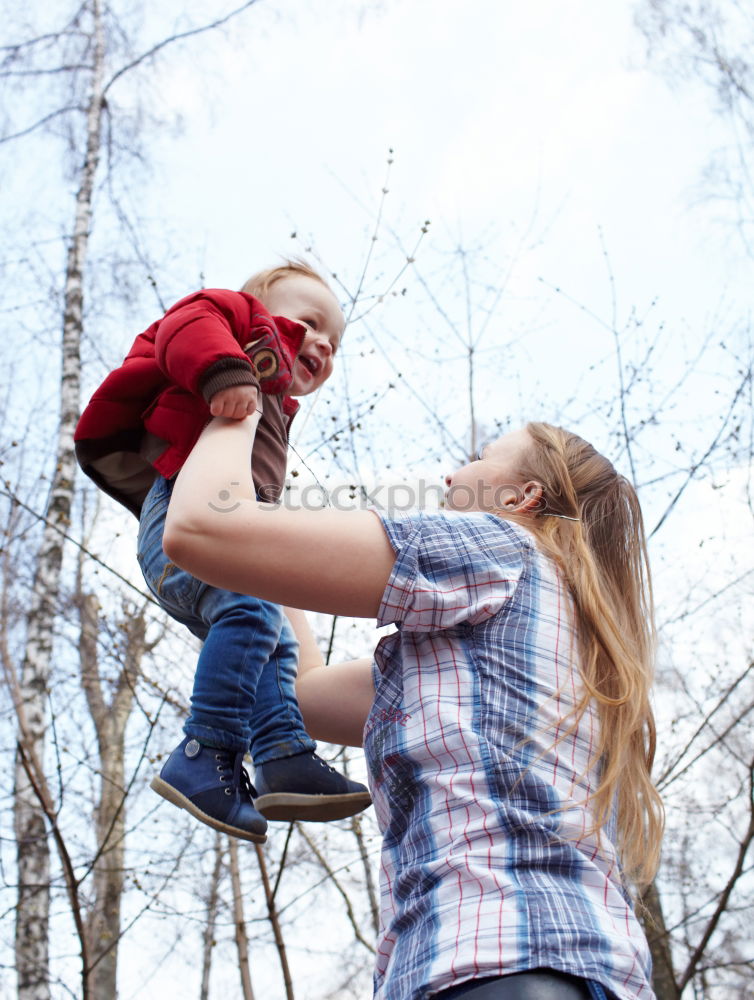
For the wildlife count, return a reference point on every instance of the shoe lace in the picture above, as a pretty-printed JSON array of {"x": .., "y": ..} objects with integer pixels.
[{"x": 230, "y": 764}]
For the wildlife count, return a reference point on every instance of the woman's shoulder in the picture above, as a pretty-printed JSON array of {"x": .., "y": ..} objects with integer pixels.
[
  {"x": 452, "y": 568},
  {"x": 490, "y": 526},
  {"x": 460, "y": 527}
]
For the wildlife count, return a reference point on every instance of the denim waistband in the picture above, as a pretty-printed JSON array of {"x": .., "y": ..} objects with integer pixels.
[{"x": 537, "y": 984}]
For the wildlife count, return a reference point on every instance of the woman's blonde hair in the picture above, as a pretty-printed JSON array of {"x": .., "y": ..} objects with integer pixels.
[{"x": 603, "y": 557}]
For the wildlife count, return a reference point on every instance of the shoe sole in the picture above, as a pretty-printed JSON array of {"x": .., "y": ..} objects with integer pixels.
[
  {"x": 173, "y": 795},
  {"x": 290, "y": 806}
]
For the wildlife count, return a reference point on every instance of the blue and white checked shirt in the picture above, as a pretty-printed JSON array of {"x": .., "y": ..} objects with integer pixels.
[{"x": 487, "y": 863}]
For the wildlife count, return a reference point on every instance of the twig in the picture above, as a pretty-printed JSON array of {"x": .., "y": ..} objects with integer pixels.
[
  {"x": 331, "y": 876},
  {"x": 174, "y": 38},
  {"x": 275, "y": 923},
  {"x": 722, "y": 902}
]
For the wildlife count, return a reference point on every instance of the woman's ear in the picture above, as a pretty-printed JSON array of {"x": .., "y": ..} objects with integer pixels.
[
  {"x": 533, "y": 498},
  {"x": 527, "y": 499},
  {"x": 508, "y": 498}
]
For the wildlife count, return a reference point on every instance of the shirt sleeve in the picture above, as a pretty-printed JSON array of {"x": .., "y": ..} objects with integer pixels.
[{"x": 451, "y": 569}]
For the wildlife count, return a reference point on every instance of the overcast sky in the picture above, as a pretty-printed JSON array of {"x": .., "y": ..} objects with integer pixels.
[{"x": 498, "y": 112}]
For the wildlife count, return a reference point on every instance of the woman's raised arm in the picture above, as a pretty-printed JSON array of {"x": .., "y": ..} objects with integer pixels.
[
  {"x": 336, "y": 699},
  {"x": 338, "y": 562}
]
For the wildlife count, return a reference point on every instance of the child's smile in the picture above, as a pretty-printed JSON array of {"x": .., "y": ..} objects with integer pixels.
[{"x": 311, "y": 303}]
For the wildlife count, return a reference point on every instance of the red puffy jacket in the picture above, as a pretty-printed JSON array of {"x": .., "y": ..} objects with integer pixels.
[{"x": 148, "y": 413}]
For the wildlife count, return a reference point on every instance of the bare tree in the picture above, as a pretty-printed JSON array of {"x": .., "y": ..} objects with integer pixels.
[
  {"x": 274, "y": 918},
  {"x": 239, "y": 922},
  {"x": 653, "y": 920},
  {"x": 211, "y": 919},
  {"x": 110, "y": 716},
  {"x": 710, "y": 41},
  {"x": 83, "y": 54}
]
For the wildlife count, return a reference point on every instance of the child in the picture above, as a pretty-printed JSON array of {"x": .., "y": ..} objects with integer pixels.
[{"x": 210, "y": 355}]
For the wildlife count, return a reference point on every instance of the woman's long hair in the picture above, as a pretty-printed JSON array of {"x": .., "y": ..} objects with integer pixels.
[{"x": 603, "y": 557}]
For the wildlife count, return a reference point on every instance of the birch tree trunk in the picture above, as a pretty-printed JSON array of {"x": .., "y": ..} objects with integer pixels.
[
  {"x": 33, "y": 854},
  {"x": 239, "y": 922},
  {"x": 110, "y": 719},
  {"x": 209, "y": 929}
]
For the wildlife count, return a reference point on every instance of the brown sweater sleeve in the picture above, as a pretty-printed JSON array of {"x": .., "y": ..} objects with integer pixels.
[{"x": 224, "y": 374}]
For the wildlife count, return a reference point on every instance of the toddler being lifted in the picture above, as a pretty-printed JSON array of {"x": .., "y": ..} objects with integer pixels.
[{"x": 212, "y": 354}]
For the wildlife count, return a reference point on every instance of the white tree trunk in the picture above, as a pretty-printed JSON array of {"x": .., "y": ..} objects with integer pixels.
[
  {"x": 239, "y": 922},
  {"x": 212, "y": 906},
  {"x": 110, "y": 719},
  {"x": 33, "y": 856}
]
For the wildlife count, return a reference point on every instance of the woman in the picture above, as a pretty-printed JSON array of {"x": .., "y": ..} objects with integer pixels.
[{"x": 506, "y": 723}]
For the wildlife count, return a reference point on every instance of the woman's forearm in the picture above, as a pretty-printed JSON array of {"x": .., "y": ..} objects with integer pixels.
[
  {"x": 336, "y": 699},
  {"x": 338, "y": 562},
  {"x": 309, "y": 654},
  {"x": 214, "y": 480}
]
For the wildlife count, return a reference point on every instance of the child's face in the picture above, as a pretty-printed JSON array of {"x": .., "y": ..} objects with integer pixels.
[{"x": 307, "y": 301}]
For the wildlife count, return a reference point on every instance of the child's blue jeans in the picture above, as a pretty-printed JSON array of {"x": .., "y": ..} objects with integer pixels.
[{"x": 244, "y": 685}]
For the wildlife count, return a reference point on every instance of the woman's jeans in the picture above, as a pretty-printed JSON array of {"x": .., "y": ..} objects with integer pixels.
[
  {"x": 537, "y": 984},
  {"x": 244, "y": 685}
]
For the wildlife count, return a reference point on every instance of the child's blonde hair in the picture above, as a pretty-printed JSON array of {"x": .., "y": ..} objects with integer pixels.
[
  {"x": 597, "y": 540},
  {"x": 260, "y": 283}
]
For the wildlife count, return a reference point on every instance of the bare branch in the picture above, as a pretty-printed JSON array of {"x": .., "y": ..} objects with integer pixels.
[
  {"x": 668, "y": 776},
  {"x": 722, "y": 902},
  {"x": 79, "y": 545},
  {"x": 42, "y": 121},
  {"x": 711, "y": 448},
  {"x": 273, "y": 916},
  {"x": 30, "y": 43},
  {"x": 331, "y": 876},
  {"x": 145, "y": 56},
  {"x": 52, "y": 71}
]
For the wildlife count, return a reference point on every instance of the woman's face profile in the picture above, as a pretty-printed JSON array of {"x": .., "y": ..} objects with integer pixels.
[{"x": 490, "y": 481}]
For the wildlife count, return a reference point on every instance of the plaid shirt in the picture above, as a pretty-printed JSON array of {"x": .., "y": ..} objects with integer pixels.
[{"x": 488, "y": 865}]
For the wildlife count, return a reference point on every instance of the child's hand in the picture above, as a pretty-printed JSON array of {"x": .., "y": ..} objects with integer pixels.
[{"x": 235, "y": 402}]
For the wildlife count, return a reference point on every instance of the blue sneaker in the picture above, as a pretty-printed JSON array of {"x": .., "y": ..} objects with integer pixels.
[
  {"x": 213, "y": 786},
  {"x": 304, "y": 787}
]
